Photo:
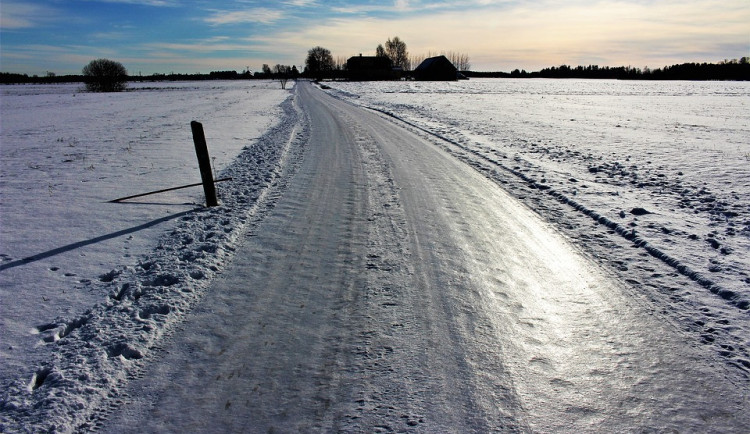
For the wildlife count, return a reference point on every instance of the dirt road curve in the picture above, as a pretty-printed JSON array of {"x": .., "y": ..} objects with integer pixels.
[{"x": 393, "y": 288}]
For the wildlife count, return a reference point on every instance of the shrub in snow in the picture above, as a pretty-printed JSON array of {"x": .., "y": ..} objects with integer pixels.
[{"x": 104, "y": 75}]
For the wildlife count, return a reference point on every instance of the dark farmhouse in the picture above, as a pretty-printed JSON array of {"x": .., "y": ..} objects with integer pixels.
[
  {"x": 436, "y": 69},
  {"x": 368, "y": 68}
]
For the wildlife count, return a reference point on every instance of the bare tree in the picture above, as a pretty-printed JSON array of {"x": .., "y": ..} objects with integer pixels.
[
  {"x": 340, "y": 63},
  {"x": 464, "y": 63},
  {"x": 380, "y": 51},
  {"x": 104, "y": 75},
  {"x": 396, "y": 49},
  {"x": 459, "y": 60},
  {"x": 416, "y": 60},
  {"x": 283, "y": 73}
]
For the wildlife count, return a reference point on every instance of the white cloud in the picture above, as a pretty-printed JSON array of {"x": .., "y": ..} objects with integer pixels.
[
  {"x": 257, "y": 15},
  {"x": 301, "y": 3},
  {"x": 496, "y": 34},
  {"x": 159, "y": 3},
  {"x": 401, "y": 5},
  {"x": 208, "y": 46},
  {"x": 23, "y": 16},
  {"x": 534, "y": 35}
]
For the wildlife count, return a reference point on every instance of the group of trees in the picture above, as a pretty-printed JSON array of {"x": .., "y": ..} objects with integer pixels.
[
  {"x": 395, "y": 49},
  {"x": 282, "y": 73},
  {"x": 726, "y": 70},
  {"x": 103, "y": 75},
  {"x": 320, "y": 63},
  {"x": 459, "y": 60}
]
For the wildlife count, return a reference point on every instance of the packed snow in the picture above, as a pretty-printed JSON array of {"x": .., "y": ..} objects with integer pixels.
[
  {"x": 662, "y": 166},
  {"x": 70, "y": 258},
  {"x": 633, "y": 172},
  {"x": 394, "y": 288},
  {"x": 669, "y": 161}
]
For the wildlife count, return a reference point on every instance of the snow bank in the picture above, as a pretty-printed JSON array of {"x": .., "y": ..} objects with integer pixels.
[{"x": 65, "y": 349}]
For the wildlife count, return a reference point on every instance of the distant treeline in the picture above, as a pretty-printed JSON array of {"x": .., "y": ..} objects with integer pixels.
[
  {"x": 736, "y": 70},
  {"x": 10, "y": 78},
  {"x": 726, "y": 70}
]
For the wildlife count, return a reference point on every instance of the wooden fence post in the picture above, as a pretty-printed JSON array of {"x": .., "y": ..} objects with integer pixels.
[{"x": 201, "y": 150}]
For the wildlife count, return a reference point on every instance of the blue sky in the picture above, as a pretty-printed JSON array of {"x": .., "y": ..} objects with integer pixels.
[{"x": 165, "y": 36}]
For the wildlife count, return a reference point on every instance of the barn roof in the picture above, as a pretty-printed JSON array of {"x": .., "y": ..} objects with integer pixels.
[{"x": 436, "y": 68}]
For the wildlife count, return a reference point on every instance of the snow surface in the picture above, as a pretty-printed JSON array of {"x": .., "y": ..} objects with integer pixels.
[
  {"x": 70, "y": 258},
  {"x": 663, "y": 166},
  {"x": 679, "y": 150},
  {"x": 89, "y": 289},
  {"x": 393, "y": 288}
]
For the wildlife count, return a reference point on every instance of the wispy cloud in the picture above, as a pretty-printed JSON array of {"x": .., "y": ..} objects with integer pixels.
[
  {"x": 181, "y": 35},
  {"x": 110, "y": 35},
  {"x": 301, "y": 3},
  {"x": 534, "y": 35},
  {"x": 401, "y": 5},
  {"x": 159, "y": 3},
  {"x": 196, "y": 47},
  {"x": 23, "y": 16},
  {"x": 257, "y": 15},
  {"x": 43, "y": 57}
]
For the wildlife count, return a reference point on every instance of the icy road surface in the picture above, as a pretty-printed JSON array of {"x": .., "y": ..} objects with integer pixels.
[{"x": 394, "y": 288}]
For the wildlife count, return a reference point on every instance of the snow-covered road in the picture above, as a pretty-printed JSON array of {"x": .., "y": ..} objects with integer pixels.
[{"x": 391, "y": 287}]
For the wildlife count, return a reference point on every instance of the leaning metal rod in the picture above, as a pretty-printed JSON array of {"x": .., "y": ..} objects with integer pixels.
[{"x": 164, "y": 190}]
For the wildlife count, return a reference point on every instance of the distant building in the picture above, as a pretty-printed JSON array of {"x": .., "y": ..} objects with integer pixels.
[
  {"x": 369, "y": 68},
  {"x": 436, "y": 69}
]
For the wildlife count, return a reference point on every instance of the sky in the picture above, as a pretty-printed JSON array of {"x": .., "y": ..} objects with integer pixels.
[{"x": 164, "y": 36}]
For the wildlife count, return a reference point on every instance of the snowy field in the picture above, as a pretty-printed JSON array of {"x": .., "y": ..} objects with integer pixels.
[
  {"x": 63, "y": 247},
  {"x": 635, "y": 172}
]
